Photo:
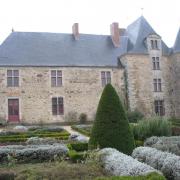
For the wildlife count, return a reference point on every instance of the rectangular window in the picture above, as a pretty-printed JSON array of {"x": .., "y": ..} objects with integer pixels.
[
  {"x": 159, "y": 107},
  {"x": 57, "y": 106},
  {"x": 56, "y": 78},
  {"x": 12, "y": 78},
  {"x": 157, "y": 85},
  {"x": 154, "y": 44},
  {"x": 156, "y": 64},
  {"x": 105, "y": 77}
]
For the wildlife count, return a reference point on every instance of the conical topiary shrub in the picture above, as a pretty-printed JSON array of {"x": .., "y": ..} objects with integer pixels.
[{"x": 111, "y": 127}]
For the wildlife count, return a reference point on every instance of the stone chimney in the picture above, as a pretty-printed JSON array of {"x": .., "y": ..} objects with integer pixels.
[
  {"x": 75, "y": 30},
  {"x": 115, "y": 36}
]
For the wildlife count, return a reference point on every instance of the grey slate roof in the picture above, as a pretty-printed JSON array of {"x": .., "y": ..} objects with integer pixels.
[
  {"x": 137, "y": 33},
  {"x": 58, "y": 49},
  {"x": 176, "y": 47}
]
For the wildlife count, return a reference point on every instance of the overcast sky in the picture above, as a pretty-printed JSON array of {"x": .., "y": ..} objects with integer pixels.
[{"x": 93, "y": 16}]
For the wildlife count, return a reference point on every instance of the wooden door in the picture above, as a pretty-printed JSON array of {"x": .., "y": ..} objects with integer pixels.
[{"x": 13, "y": 110}]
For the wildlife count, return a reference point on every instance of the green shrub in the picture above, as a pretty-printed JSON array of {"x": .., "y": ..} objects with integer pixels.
[
  {"x": 139, "y": 143},
  {"x": 134, "y": 116},
  {"x": 111, "y": 127},
  {"x": 78, "y": 146},
  {"x": 151, "y": 127},
  {"x": 21, "y": 137},
  {"x": 77, "y": 156},
  {"x": 150, "y": 176},
  {"x": 83, "y": 118}
]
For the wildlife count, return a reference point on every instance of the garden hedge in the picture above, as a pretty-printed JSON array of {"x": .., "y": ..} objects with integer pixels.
[
  {"x": 167, "y": 163},
  {"x": 111, "y": 127}
]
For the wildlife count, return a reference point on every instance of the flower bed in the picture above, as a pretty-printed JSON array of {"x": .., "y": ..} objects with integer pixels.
[
  {"x": 31, "y": 153},
  {"x": 167, "y": 163},
  {"x": 169, "y": 144},
  {"x": 13, "y": 136},
  {"x": 119, "y": 164}
]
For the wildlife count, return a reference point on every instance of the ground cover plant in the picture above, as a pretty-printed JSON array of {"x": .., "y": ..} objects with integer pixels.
[
  {"x": 167, "y": 163},
  {"x": 169, "y": 144},
  {"x": 56, "y": 170},
  {"x": 111, "y": 127},
  {"x": 31, "y": 153},
  {"x": 119, "y": 164}
]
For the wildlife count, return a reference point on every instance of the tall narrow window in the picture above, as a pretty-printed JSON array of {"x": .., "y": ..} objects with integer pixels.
[
  {"x": 157, "y": 85},
  {"x": 12, "y": 78},
  {"x": 57, "y": 106},
  {"x": 156, "y": 64},
  {"x": 105, "y": 77},
  {"x": 154, "y": 44},
  {"x": 159, "y": 107},
  {"x": 56, "y": 78}
]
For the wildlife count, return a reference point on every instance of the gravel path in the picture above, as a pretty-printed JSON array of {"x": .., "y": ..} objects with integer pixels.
[{"x": 71, "y": 131}]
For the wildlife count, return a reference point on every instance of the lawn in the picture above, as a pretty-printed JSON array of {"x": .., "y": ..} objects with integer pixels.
[{"x": 55, "y": 170}]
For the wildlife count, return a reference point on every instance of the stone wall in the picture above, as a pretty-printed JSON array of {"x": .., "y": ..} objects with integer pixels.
[
  {"x": 81, "y": 90},
  {"x": 140, "y": 76},
  {"x": 175, "y": 91}
]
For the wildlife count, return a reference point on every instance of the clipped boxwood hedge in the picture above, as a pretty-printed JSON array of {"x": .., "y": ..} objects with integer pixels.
[
  {"x": 150, "y": 176},
  {"x": 78, "y": 146},
  {"x": 21, "y": 137},
  {"x": 77, "y": 156}
]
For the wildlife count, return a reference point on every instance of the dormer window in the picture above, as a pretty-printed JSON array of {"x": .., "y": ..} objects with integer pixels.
[{"x": 154, "y": 44}]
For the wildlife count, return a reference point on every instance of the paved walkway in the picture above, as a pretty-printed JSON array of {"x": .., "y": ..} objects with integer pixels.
[{"x": 71, "y": 131}]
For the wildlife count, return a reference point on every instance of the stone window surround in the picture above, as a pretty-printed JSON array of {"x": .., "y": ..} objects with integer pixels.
[
  {"x": 13, "y": 76},
  {"x": 154, "y": 44},
  {"x": 156, "y": 63},
  {"x": 58, "y": 113},
  {"x": 106, "y": 79},
  {"x": 56, "y": 77},
  {"x": 159, "y": 107},
  {"x": 157, "y": 83}
]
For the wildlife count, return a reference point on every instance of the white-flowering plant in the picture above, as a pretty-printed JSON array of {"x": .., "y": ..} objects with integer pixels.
[
  {"x": 119, "y": 164},
  {"x": 170, "y": 144},
  {"x": 167, "y": 163},
  {"x": 32, "y": 152}
]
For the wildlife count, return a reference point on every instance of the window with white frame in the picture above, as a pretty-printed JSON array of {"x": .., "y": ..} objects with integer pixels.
[
  {"x": 157, "y": 85},
  {"x": 57, "y": 106},
  {"x": 12, "y": 78},
  {"x": 105, "y": 77},
  {"x": 56, "y": 78},
  {"x": 156, "y": 63}
]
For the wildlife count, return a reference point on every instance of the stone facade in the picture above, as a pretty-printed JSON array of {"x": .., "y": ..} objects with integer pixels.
[{"x": 81, "y": 90}]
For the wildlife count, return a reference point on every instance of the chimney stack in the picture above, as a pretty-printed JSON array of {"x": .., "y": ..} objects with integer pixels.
[
  {"x": 75, "y": 30},
  {"x": 115, "y": 35}
]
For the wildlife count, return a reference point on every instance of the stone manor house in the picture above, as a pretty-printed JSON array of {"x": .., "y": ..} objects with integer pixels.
[{"x": 46, "y": 76}]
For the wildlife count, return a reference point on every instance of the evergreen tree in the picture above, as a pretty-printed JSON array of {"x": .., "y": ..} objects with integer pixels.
[{"x": 111, "y": 127}]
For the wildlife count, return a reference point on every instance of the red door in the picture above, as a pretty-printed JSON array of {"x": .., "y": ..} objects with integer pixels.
[{"x": 13, "y": 110}]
